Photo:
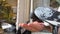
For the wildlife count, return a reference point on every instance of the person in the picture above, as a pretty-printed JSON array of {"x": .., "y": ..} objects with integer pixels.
[
  {"x": 38, "y": 16},
  {"x": 38, "y": 24}
]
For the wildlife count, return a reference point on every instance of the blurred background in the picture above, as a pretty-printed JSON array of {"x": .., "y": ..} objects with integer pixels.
[
  {"x": 8, "y": 9},
  {"x": 25, "y": 9}
]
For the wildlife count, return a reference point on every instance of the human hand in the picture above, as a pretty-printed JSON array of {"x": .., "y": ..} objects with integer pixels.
[{"x": 34, "y": 27}]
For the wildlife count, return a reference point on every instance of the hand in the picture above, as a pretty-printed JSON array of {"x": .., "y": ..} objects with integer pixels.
[{"x": 34, "y": 27}]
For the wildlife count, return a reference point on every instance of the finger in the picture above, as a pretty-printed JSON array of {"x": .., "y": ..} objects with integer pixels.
[
  {"x": 25, "y": 26},
  {"x": 21, "y": 24},
  {"x": 32, "y": 29},
  {"x": 37, "y": 26}
]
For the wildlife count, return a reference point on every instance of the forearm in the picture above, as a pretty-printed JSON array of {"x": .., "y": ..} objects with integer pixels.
[{"x": 49, "y": 28}]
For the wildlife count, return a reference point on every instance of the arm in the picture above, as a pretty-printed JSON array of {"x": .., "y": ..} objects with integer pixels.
[
  {"x": 49, "y": 28},
  {"x": 35, "y": 26}
]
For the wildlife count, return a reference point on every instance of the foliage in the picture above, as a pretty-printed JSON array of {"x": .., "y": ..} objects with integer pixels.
[{"x": 6, "y": 12}]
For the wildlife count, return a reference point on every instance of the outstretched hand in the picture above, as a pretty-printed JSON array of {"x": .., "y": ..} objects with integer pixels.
[{"x": 34, "y": 27}]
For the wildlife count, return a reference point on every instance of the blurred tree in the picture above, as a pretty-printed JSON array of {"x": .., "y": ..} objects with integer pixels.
[
  {"x": 6, "y": 12},
  {"x": 54, "y": 3}
]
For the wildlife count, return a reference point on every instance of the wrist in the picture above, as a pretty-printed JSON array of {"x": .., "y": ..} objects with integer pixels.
[{"x": 48, "y": 28}]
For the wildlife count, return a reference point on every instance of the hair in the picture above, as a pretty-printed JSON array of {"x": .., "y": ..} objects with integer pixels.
[{"x": 35, "y": 18}]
